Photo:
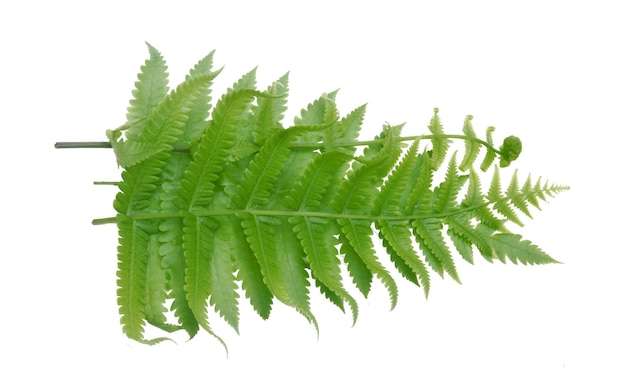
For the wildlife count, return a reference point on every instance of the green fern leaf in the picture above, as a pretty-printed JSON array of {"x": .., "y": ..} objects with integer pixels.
[
  {"x": 494, "y": 195},
  {"x": 213, "y": 150},
  {"x": 464, "y": 236},
  {"x": 138, "y": 185},
  {"x": 132, "y": 276},
  {"x": 132, "y": 152},
  {"x": 397, "y": 241},
  {"x": 199, "y": 247},
  {"x": 314, "y": 113},
  {"x": 447, "y": 192},
  {"x": 318, "y": 244},
  {"x": 270, "y": 110},
  {"x": 490, "y": 156},
  {"x": 199, "y": 109},
  {"x": 150, "y": 90},
  {"x": 156, "y": 287},
  {"x": 359, "y": 271},
  {"x": 519, "y": 201},
  {"x": 343, "y": 134},
  {"x": 283, "y": 270},
  {"x": 224, "y": 295},
  {"x": 513, "y": 247},
  {"x": 428, "y": 234},
  {"x": 395, "y": 235},
  {"x": 358, "y": 234},
  {"x": 319, "y": 248},
  {"x": 531, "y": 195},
  {"x": 475, "y": 201},
  {"x": 355, "y": 194},
  {"x": 440, "y": 143},
  {"x": 330, "y": 295},
  {"x": 132, "y": 266},
  {"x": 249, "y": 271},
  {"x": 165, "y": 124},
  {"x": 472, "y": 147},
  {"x": 459, "y": 236},
  {"x": 246, "y": 81},
  {"x": 264, "y": 169},
  {"x": 173, "y": 262}
]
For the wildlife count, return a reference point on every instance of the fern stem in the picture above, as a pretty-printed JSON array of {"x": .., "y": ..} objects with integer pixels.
[
  {"x": 302, "y": 145},
  {"x": 102, "y": 145},
  {"x": 82, "y": 145},
  {"x": 288, "y": 213},
  {"x": 315, "y": 214},
  {"x": 401, "y": 139}
]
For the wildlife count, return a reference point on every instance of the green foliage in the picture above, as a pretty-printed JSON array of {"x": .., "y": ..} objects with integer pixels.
[{"x": 219, "y": 201}]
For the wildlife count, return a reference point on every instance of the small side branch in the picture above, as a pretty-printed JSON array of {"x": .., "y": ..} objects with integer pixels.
[{"x": 100, "y": 221}]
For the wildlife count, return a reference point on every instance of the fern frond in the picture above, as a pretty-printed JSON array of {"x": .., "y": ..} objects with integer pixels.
[
  {"x": 199, "y": 110},
  {"x": 199, "y": 247},
  {"x": 213, "y": 203},
  {"x": 131, "y": 152},
  {"x": 173, "y": 262},
  {"x": 430, "y": 239},
  {"x": 464, "y": 236},
  {"x": 270, "y": 110},
  {"x": 267, "y": 235},
  {"x": 448, "y": 190},
  {"x": 358, "y": 234},
  {"x": 343, "y": 134},
  {"x": 138, "y": 185},
  {"x": 420, "y": 196},
  {"x": 283, "y": 270},
  {"x": 318, "y": 244},
  {"x": 150, "y": 90},
  {"x": 475, "y": 201},
  {"x": 213, "y": 150},
  {"x": 472, "y": 147},
  {"x": 355, "y": 194},
  {"x": 397, "y": 241},
  {"x": 246, "y": 81},
  {"x": 249, "y": 271},
  {"x": 320, "y": 252},
  {"x": 440, "y": 143},
  {"x": 514, "y": 248},
  {"x": 224, "y": 296},
  {"x": 357, "y": 269},
  {"x": 518, "y": 201},
  {"x": 495, "y": 196},
  {"x": 132, "y": 266},
  {"x": 315, "y": 112},
  {"x": 490, "y": 156},
  {"x": 263, "y": 171},
  {"x": 132, "y": 277},
  {"x": 392, "y": 201},
  {"x": 156, "y": 287},
  {"x": 165, "y": 124}
]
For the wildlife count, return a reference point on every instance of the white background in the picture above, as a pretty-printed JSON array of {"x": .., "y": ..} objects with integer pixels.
[{"x": 551, "y": 72}]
